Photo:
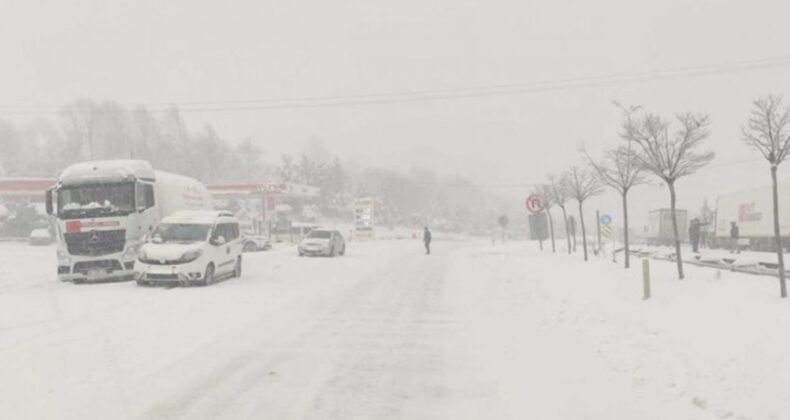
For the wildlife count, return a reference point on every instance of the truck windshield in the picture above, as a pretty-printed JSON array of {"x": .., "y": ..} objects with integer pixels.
[
  {"x": 93, "y": 200},
  {"x": 180, "y": 233}
]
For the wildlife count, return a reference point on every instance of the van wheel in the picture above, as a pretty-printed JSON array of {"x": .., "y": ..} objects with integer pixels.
[
  {"x": 208, "y": 278},
  {"x": 249, "y": 247},
  {"x": 237, "y": 269},
  {"x": 343, "y": 250},
  {"x": 332, "y": 252}
]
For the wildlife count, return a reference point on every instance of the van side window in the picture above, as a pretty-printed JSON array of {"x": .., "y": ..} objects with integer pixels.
[
  {"x": 234, "y": 227},
  {"x": 231, "y": 231},
  {"x": 219, "y": 230}
]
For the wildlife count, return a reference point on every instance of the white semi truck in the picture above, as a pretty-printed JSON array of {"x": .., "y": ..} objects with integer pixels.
[
  {"x": 752, "y": 211},
  {"x": 105, "y": 209}
]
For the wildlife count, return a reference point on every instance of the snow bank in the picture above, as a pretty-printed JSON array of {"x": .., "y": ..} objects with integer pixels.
[{"x": 578, "y": 337}]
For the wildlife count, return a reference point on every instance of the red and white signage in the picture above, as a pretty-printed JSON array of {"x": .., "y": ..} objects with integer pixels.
[
  {"x": 76, "y": 226},
  {"x": 535, "y": 204}
]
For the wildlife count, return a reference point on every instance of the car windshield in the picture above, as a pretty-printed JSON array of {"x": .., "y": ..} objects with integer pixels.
[
  {"x": 181, "y": 233},
  {"x": 320, "y": 234},
  {"x": 91, "y": 200}
]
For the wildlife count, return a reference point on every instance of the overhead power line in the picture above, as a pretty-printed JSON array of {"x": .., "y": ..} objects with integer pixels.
[{"x": 436, "y": 94}]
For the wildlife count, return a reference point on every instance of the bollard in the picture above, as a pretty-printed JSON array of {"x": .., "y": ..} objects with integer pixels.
[{"x": 646, "y": 278}]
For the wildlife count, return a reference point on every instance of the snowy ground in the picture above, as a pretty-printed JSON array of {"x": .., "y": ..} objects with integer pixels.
[{"x": 474, "y": 331}]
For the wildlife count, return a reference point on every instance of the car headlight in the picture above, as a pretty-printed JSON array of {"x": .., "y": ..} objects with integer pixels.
[
  {"x": 190, "y": 256},
  {"x": 142, "y": 256},
  {"x": 63, "y": 255}
]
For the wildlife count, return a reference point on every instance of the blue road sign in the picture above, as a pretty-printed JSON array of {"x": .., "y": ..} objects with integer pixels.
[{"x": 606, "y": 219}]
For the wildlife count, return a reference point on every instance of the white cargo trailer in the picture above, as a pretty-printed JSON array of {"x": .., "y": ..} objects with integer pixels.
[
  {"x": 104, "y": 210},
  {"x": 752, "y": 211}
]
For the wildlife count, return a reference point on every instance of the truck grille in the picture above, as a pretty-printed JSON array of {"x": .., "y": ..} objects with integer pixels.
[
  {"x": 109, "y": 265},
  {"x": 97, "y": 242}
]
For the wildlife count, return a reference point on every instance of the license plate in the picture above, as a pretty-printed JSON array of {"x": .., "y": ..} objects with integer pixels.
[{"x": 97, "y": 272}]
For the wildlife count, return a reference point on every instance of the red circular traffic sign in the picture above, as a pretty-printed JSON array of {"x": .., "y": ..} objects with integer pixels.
[{"x": 535, "y": 204}]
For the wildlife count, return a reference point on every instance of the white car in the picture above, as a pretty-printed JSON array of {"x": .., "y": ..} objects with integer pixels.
[
  {"x": 254, "y": 243},
  {"x": 322, "y": 242},
  {"x": 40, "y": 236},
  {"x": 191, "y": 247}
]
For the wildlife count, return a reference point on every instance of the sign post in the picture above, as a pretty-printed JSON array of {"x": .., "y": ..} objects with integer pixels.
[
  {"x": 605, "y": 231},
  {"x": 535, "y": 206},
  {"x": 645, "y": 278},
  {"x": 503, "y": 221},
  {"x": 538, "y": 227},
  {"x": 598, "y": 224}
]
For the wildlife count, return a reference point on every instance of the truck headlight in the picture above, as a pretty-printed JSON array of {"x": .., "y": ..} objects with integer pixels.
[
  {"x": 190, "y": 256},
  {"x": 63, "y": 255},
  {"x": 141, "y": 255}
]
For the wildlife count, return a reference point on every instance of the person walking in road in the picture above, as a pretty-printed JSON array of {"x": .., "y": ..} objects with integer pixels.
[
  {"x": 694, "y": 234},
  {"x": 703, "y": 236},
  {"x": 426, "y": 238},
  {"x": 734, "y": 235}
]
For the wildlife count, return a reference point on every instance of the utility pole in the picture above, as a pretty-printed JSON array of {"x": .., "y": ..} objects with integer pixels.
[{"x": 598, "y": 225}]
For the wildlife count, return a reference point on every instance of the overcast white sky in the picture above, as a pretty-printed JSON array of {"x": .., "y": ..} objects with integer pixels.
[{"x": 145, "y": 51}]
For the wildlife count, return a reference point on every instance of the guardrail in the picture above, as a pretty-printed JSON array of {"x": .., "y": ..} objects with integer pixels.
[
  {"x": 13, "y": 239},
  {"x": 760, "y": 268}
]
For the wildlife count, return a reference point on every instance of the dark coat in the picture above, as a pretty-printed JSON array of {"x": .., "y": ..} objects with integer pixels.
[
  {"x": 694, "y": 230},
  {"x": 426, "y": 236}
]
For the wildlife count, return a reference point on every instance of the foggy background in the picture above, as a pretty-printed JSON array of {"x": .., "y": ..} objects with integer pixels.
[{"x": 250, "y": 69}]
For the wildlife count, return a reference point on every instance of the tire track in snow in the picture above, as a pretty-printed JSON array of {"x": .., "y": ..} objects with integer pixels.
[{"x": 377, "y": 351}]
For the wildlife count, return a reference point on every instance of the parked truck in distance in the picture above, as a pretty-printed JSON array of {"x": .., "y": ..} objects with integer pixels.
[
  {"x": 105, "y": 209},
  {"x": 659, "y": 228},
  {"x": 752, "y": 211}
]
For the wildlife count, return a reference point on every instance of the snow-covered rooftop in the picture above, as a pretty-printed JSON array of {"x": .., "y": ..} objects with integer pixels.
[{"x": 101, "y": 169}]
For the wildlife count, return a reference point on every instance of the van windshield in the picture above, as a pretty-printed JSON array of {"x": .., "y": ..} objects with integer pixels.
[{"x": 180, "y": 233}]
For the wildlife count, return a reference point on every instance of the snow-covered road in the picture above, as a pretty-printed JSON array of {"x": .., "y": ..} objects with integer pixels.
[{"x": 470, "y": 332}]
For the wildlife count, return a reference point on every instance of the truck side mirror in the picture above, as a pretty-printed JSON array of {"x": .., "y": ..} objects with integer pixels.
[{"x": 48, "y": 199}]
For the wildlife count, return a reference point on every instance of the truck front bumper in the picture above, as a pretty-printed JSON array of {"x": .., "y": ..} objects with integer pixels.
[{"x": 96, "y": 270}]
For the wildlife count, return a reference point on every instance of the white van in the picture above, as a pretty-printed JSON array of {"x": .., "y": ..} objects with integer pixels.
[{"x": 195, "y": 247}]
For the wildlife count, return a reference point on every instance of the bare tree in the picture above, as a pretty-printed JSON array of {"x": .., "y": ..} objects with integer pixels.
[
  {"x": 767, "y": 132},
  {"x": 620, "y": 170},
  {"x": 670, "y": 156},
  {"x": 544, "y": 191},
  {"x": 559, "y": 195},
  {"x": 81, "y": 124},
  {"x": 582, "y": 184}
]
